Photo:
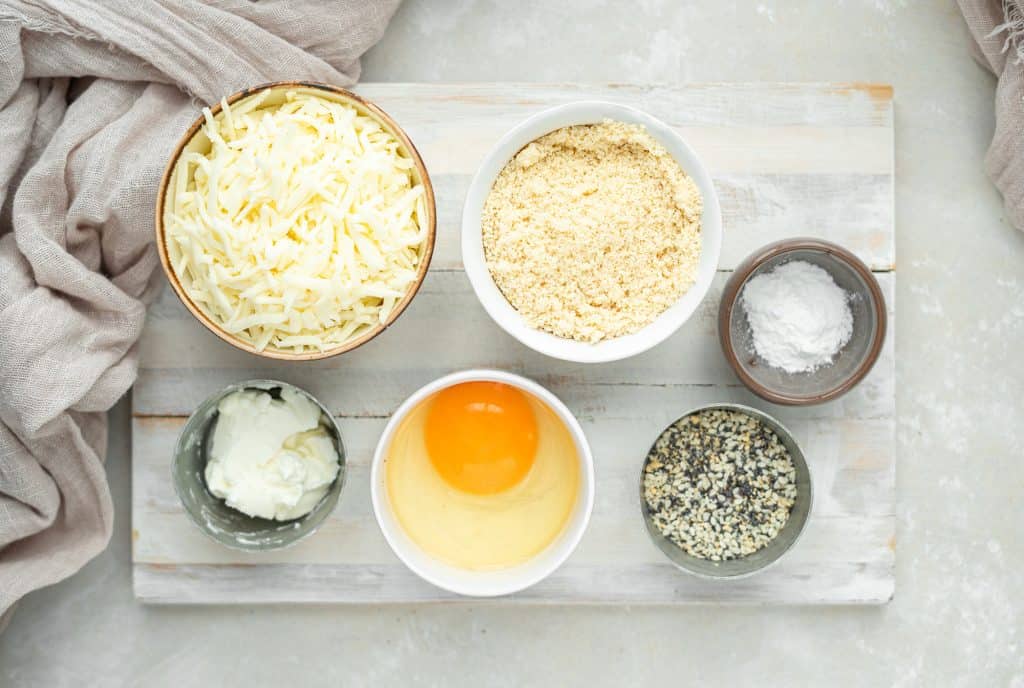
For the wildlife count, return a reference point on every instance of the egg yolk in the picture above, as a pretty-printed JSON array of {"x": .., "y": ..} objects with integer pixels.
[{"x": 481, "y": 437}]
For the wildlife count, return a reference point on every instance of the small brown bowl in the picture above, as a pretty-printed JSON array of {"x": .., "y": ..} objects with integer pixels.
[
  {"x": 851, "y": 364},
  {"x": 330, "y": 92}
]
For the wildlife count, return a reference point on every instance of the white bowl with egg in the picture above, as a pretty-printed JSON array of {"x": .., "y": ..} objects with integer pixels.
[
  {"x": 458, "y": 577},
  {"x": 496, "y": 303}
]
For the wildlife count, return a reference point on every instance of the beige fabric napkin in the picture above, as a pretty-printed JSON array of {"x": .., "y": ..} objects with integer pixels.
[
  {"x": 93, "y": 95},
  {"x": 997, "y": 27}
]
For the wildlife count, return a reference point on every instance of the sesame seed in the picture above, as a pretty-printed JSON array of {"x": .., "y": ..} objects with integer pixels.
[{"x": 719, "y": 484}]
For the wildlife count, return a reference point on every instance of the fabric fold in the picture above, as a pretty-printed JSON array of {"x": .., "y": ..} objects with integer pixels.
[
  {"x": 93, "y": 96},
  {"x": 997, "y": 27}
]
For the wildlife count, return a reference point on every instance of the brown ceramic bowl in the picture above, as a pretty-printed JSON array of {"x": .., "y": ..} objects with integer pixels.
[
  {"x": 850, "y": 365},
  {"x": 194, "y": 139}
]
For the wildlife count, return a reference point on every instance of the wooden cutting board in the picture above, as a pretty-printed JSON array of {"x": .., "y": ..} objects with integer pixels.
[{"x": 786, "y": 159}]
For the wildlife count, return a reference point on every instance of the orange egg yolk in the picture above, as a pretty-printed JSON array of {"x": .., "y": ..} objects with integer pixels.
[{"x": 481, "y": 436}]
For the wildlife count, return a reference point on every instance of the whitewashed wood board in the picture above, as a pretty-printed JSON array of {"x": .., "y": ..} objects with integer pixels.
[{"x": 787, "y": 159}]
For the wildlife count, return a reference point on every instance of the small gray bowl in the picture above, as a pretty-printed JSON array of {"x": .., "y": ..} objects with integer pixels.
[
  {"x": 851, "y": 364},
  {"x": 773, "y": 551},
  {"x": 212, "y": 515}
]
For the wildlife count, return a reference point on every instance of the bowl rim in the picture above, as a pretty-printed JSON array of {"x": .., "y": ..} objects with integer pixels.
[
  {"x": 653, "y": 533},
  {"x": 497, "y": 305},
  {"x": 755, "y": 260},
  {"x": 278, "y": 354},
  {"x": 585, "y": 498},
  {"x": 333, "y": 495}
]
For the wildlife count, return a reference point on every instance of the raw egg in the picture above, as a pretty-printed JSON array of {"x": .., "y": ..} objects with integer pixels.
[
  {"x": 482, "y": 475},
  {"x": 481, "y": 436}
]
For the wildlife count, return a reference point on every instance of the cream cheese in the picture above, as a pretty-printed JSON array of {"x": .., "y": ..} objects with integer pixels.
[{"x": 270, "y": 458}]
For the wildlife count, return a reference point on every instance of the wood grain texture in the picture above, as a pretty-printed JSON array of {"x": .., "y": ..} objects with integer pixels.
[{"x": 812, "y": 160}]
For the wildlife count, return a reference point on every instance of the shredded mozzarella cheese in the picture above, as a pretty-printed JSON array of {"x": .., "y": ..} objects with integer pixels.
[{"x": 301, "y": 228}]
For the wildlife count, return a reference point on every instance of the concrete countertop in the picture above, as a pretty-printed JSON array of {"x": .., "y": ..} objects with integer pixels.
[{"x": 956, "y": 617}]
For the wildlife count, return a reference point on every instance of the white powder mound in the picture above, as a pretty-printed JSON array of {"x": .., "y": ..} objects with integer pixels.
[{"x": 799, "y": 317}]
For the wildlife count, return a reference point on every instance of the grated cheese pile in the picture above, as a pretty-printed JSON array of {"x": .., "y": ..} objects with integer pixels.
[
  {"x": 592, "y": 231},
  {"x": 301, "y": 228}
]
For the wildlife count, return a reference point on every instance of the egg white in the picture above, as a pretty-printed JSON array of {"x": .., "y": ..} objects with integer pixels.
[{"x": 483, "y": 532}]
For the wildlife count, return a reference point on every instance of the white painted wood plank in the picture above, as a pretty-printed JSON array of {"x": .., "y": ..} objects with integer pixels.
[
  {"x": 814, "y": 159},
  {"x": 183, "y": 363},
  {"x": 457, "y": 147},
  {"x": 723, "y": 104},
  {"x": 658, "y": 584},
  {"x": 851, "y": 532},
  {"x": 849, "y": 462}
]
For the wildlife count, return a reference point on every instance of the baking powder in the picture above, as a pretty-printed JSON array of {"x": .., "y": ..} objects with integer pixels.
[{"x": 799, "y": 317}]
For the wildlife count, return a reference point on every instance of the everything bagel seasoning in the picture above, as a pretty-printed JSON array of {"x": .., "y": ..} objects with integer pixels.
[{"x": 719, "y": 484}]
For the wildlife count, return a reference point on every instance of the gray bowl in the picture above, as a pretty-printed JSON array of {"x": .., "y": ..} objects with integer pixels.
[
  {"x": 851, "y": 364},
  {"x": 773, "y": 551},
  {"x": 211, "y": 514}
]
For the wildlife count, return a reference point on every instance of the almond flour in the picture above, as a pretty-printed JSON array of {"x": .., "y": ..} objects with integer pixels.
[{"x": 592, "y": 231}]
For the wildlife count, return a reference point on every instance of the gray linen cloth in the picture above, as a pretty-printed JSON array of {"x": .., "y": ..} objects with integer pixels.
[
  {"x": 93, "y": 96},
  {"x": 997, "y": 27}
]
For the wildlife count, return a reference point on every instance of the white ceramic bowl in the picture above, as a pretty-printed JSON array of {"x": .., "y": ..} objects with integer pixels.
[
  {"x": 501, "y": 581},
  {"x": 587, "y": 112}
]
